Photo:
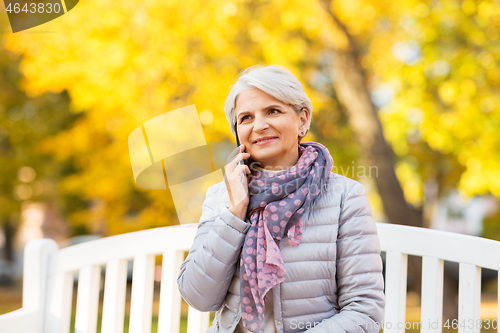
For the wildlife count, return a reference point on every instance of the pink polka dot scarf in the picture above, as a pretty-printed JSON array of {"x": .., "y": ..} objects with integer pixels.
[{"x": 277, "y": 203}]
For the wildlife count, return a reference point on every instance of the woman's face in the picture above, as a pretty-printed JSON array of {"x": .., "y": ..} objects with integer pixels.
[{"x": 259, "y": 115}]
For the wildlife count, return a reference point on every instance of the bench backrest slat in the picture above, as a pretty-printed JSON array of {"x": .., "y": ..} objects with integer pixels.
[
  {"x": 169, "y": 311},
  {"x": 87, "y": 300},
  {"x": 58, "y": 308},
  {"x": 432, "y": 295},
  {"x": 115, "y": 290},
  {"x": 469, "y": 298},
  {"x": 395, "y": 291},
  {"x": 197, "y": 321},
  {"x": 141, "y": 303}
]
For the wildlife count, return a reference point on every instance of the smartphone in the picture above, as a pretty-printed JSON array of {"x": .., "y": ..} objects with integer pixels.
[{"x": 238, "y": 141}]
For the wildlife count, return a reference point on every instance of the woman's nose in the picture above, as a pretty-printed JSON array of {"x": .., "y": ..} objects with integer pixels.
[{"x": 260, "y": 124}]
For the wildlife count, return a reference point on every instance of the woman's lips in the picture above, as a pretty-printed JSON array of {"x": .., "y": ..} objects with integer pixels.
[{"x": 265, "y": 142}]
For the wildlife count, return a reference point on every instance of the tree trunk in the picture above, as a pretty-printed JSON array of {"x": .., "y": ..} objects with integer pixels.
[
  {"x": 352, "y": 92},
  {"x": 8, "y": 252},
  {"x": 9, "y": 244}
]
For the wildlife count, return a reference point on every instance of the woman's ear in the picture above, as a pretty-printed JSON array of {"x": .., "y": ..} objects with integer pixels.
[{"x": 304, "y": 118}]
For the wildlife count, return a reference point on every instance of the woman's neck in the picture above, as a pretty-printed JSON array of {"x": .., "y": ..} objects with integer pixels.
[
  {"x": 270, "y": 170},
  {"x": 279, "y": 166}
]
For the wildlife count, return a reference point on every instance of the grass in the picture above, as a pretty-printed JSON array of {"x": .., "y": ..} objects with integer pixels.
[{"x": 154, "y": 323}]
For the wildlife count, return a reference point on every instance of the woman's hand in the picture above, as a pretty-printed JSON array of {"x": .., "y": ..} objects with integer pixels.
[{"x": 237, "y": 182}]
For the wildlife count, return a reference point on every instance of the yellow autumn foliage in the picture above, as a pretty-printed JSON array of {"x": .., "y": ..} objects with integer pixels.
[{"x": 126, "y": 62}]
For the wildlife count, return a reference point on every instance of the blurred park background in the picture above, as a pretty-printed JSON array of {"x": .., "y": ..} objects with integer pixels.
[{"x": 411, "y": 87}]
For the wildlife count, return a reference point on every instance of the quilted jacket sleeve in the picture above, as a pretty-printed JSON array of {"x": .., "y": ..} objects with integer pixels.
[
  {"x": 359, "y": 270},
  {"x": 207, "y": 272}
]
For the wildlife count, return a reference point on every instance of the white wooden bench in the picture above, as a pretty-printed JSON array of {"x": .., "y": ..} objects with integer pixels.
[{"x": 48, "y": 280}]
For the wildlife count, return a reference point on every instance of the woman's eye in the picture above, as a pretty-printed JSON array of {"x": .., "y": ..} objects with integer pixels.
[
  {"x": 244, "y": 118},
  {"x": 274, "y": 110}
]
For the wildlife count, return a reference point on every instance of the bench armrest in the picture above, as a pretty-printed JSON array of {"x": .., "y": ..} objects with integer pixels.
[{"x": 29, "y": 319}]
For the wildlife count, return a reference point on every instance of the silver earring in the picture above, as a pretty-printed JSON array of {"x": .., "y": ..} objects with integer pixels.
[{"x": 301, "y": 133}]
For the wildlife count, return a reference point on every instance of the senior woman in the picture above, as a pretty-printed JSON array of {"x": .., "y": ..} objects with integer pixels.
[{"x": 291, "y": 246}]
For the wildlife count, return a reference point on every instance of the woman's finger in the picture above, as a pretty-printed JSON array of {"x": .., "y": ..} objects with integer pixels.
[
  {"x": 237, "y": 184},
  {"x": 232, "y": 165},
  {"x": 234, "y": 153},
  {"x": 231, "y": 158},
  {"x": 240, "y": 169}
]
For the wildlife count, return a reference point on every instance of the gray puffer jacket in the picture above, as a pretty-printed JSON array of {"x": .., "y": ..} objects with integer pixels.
[{"x": 333, "y": 280}]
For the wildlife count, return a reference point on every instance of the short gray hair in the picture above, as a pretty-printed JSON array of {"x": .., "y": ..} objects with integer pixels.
[{"x": 274, "y": 80}]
